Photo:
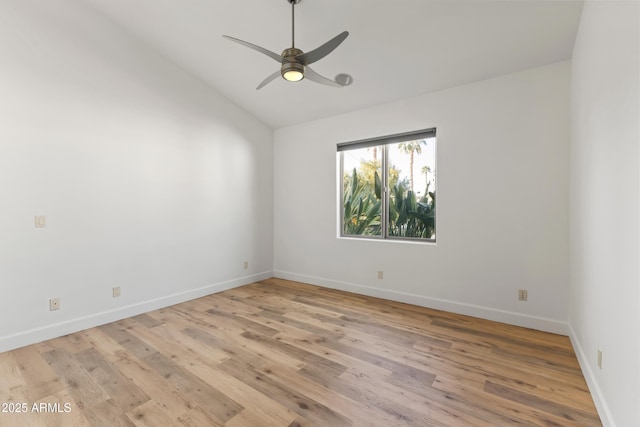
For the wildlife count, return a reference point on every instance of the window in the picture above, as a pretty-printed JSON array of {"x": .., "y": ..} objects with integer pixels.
[{"x": 388, "y": 187}]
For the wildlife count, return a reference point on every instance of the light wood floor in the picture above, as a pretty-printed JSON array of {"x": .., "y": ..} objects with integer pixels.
[{"x": 280, "y": 353}]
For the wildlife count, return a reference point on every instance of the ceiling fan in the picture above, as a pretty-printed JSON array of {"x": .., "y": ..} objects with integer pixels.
[{"x": 295, "y": 63}]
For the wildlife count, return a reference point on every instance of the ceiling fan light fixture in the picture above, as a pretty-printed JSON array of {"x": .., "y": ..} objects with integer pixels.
[
  {"x": 292, "y": 71},
  {"x": 295, "y": 63},
  {"x": 293, "y": 76}
]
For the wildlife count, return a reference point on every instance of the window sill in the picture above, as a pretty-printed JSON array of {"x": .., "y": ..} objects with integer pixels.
[{"x": 393, "y": 240}]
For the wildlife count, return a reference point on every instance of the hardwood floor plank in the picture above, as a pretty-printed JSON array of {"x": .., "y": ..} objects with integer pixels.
[
  {"x": 176, "y": 344},
  {"x": 150, "y": 414},
  {"x": 154, "y": 385},
  {"x": 328, "y": 367},
  {"x": 12, "y": 383},
  {"x": 148, "y": 321},
  {"x": 482, "y": 405},
  {"x": 107, "y": 346},
  {"x": 72, "y": 343},
  {"x": 281, "y": 353},
  {"x": 40, "y": 379},
  {"x": 197, "y": 417},
  {"x": 119, "y": 332},
  {"x": 244, "y": 323},
  {"x": 284, "y": 394},
  {"x": 208, "y": 397},
  {"x": 105, "y": 414},
  {"x": 579, "y": 417},
  {"x": 260, "y": 409},
  {"x": 123, "y": 392},
  {"x": 84, "y": 390},
  {"x": 482, "y": 410},
  {"x": 52, "y": 411},
  {"x": 313, "y": 344},
  {"x": 303, "y": 323},
  {"x": 300, "y": 422},
  {"x": 402, "y": 406},
  {"x": 356, "y": 351}
]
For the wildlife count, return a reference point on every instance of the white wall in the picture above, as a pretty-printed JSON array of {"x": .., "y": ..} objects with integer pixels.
[
  {"x": 153, "y": 182},
  {"x": 149, "y": 180},
  {"x": 502, "y": 202},
  {"x": 604, "y": 212}
]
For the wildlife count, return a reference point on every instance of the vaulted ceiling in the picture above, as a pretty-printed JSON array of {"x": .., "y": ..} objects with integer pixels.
[{"x": 396, "y": 49}]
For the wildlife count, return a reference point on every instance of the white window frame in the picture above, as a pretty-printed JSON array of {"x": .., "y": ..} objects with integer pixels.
[{"x": 384, "y": 142}]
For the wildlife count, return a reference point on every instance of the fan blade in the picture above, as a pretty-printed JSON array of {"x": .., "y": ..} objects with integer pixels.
[
  {"x": 322, "y": 51},
  {"x": 269, "y": 79},
  {"x": 315, "y": 77},
  {"x": 270, "y": 54}
]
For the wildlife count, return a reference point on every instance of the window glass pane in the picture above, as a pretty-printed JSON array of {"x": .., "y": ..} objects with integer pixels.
[
  {"x": 361, "y": 189},
  {"x": 412, "y": 169}
]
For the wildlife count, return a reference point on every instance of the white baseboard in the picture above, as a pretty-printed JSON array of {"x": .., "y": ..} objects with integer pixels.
[
  {"x": 594, "y": 387},
  {"x": 503, "y": 316},
  {"x": 33, "y": 336}
]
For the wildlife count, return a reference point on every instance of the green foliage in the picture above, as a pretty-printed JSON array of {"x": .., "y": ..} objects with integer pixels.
[
  {"x": 361, "y": 203},
  {"x": 368, "y": 170},
  {"x": 410, "y": 147},
  {"x": 409, "y": 217},
  {"x": 362, "y": 195},
  {"x": 366, "y": 179}
]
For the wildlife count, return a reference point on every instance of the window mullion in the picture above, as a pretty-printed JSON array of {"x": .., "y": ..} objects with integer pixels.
[{"x": 384, "y": 214}]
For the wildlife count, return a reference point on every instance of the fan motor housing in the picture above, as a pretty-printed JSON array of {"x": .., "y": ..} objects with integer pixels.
[
  {"x": 290, "y": 54},
  {"x": 290, "y": 64}
]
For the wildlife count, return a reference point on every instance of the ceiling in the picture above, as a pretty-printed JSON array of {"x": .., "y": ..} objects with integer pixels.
[{"x": 396, "y": 49}]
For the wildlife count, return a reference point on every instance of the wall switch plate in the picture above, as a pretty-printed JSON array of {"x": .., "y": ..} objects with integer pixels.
[
  {"x": 380, "y": 274},
  {"x": 54, "y": 304},
  {"x": 116, "y": 291},
  {"x": 522, "y": 295},
  {"x": 40, "y": 221},
  {"x": 599, "y": 358},
  {"x": 246, "y": 265}
]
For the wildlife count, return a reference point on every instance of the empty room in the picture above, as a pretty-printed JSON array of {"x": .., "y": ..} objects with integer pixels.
[{"x": 223, "y": 213}]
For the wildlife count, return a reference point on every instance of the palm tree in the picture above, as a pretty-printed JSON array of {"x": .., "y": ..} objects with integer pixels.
[
  {"x": 375, "y": 154},
  {"x": 426, "y": 170},
  {"x": 410, "y": 148}
]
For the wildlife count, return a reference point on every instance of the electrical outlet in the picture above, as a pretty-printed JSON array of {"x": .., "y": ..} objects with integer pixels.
[
  {"x": 246, "y": 265},
  {"x": 522, "y": 295},
  {"x": 54, "y": 304},
  {"x": 116, "y": 291},
  {"x": 380, "y": 274},
  {"x": 40, "y": 221},
  {"x": 599, "y": 358}
]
